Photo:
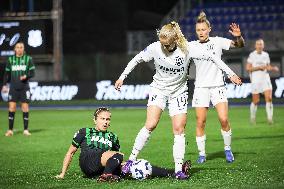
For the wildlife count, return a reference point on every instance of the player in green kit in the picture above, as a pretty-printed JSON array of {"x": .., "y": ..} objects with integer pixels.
[
  {"x": 100, "y": 153},
  {"x": 19, "y": 69},
  {"x": 99, "y": 150}
]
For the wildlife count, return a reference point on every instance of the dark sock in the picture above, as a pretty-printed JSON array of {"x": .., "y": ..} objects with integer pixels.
[
  {"x": 162, "y": 172},
  {"x": 113, "y": 163},
  {"x": 11, "y": 117},
  {"x": 26, "y": 120}
]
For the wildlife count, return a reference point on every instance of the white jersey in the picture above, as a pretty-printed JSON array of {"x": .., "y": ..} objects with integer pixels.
[
  {"x": 172, "y": 68},
  {"x": 208, "y": 74},
  {"x": 256, "y": 60}
]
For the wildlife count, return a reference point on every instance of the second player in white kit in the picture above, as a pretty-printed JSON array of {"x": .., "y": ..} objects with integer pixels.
[{"x": 210, "y": 84}]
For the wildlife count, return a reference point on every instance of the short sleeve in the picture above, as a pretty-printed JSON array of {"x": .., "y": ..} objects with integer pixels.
[
  {"x": 224, "y": 43},
  {"x": 249, "y": 60},
  {"x": 31, "y": 64},
  {"x": 8, "y": 65},
  {"x": 79, "y": 137},
  {"x": 147, "y": 54},
  {"x": 268, "y": 58}
]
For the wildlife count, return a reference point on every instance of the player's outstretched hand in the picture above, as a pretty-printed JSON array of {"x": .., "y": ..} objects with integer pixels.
[
  {"x": 61, "y": 176},
  {"x": 118, "y": 84},
  {"x": 235, "y": 30},
  {"x": 236, "y": 80},
  {"x": 275, "y": 69}
]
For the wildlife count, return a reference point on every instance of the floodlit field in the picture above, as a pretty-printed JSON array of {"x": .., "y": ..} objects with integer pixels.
[{"x": 32, "y": 162}]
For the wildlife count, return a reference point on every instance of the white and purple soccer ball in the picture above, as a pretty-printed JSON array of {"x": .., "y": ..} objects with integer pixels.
[{"x": 140, "y": 169}]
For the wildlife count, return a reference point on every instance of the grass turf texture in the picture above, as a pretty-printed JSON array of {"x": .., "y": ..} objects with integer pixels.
[{"x": 32, "y": 162}]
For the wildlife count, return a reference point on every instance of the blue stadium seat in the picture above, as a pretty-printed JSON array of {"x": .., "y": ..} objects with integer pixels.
[{"x": 253, "y": 15}]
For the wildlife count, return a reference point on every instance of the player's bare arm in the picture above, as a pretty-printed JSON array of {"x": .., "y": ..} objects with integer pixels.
[
  {"x": 250, "y": 68},
  {"x": 239, "y": 41},
  {"x": 272, "y": 68},
  {"x": 67, "y": 160}
]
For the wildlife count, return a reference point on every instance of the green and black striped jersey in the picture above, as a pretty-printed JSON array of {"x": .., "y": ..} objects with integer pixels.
[
  {"x": 90, "y": 138},
  {"x": 17, "y": 67}
]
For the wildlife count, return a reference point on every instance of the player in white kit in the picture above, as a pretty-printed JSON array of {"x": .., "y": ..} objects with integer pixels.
[
  {"x": 258, "y": 63},
  {"x": 210, "y": 84},
  {"x": 171, "y": 56}
]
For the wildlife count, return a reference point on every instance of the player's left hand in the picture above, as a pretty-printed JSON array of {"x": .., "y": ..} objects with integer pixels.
[
  {"x": 23, "y": 77},
  {"x": 236, "y": 80},
  {"x": 235, "y": 30}
]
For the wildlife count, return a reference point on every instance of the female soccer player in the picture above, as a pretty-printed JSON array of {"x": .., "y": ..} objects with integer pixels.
[
  {"x": 210, "y": 85},
  {"x": 171, "y": 55},
  {"x": 258, "y": 63},
  {"x": 99, "y": 150},
  {"x": 19, "y": 69}
]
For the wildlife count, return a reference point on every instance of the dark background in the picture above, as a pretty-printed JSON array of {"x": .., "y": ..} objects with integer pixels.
[{"x": 91, "y": 26}]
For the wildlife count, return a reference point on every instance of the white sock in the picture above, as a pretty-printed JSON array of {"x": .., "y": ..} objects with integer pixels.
[
  {"x": 200, "y": 141},
  {"x": 269, "y": 110},
  {"x": 179, "y": 151},
  {"x": 227, "y": 136},
  {"x": 253, "y": 109},
  {"x": 140, "y": 141}
]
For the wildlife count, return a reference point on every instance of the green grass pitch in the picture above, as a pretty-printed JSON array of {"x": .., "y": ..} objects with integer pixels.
[{"x": 32, "y": 162}]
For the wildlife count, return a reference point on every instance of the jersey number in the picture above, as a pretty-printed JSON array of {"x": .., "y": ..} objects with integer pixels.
[{"x": 182, "y": 101}]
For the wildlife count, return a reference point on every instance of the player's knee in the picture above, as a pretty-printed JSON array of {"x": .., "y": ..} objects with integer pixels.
[
  {"x": 118, "y": 157},
  {"x": 178, "y": 129},
  {"x": 12, "y": 108},
  {"x": 256, "y": 101},
  {"x": 200, "y": 123},
  {"x": 25, "y": 109},
  {"x": 224, "y": 121},
  {"x": 268, "y": 99},
  {"x": 150, "y": 126}
]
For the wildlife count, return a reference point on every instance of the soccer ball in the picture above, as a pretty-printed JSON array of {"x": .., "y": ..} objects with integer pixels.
[{"x": 140, "y": 169}]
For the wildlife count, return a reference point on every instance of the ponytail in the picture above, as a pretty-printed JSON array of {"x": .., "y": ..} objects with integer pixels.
[
  {"x": 172, "y": 30},
  {"x": 203, "y": 19}
]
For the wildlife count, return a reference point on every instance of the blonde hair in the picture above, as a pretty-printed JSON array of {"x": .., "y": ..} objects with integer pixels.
[
  {"x": 173, "y": 31},
  {"x": 202, "y": 19}
]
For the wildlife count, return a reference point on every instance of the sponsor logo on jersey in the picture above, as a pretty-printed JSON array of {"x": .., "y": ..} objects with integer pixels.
[
  {"x": 19, "y": 67},
  {"x": 179, "y": 61},
  {"x": 173, "y": 70},
  {"x": 101, "y": 140},
  {"x": 210, "y": 47}
]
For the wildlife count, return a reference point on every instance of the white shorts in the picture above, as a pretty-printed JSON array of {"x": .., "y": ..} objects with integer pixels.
[
  {"x": 260, "y": 87},
  {"x": 203, "y": 96},
  {"x": 176, "y": 105}
]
